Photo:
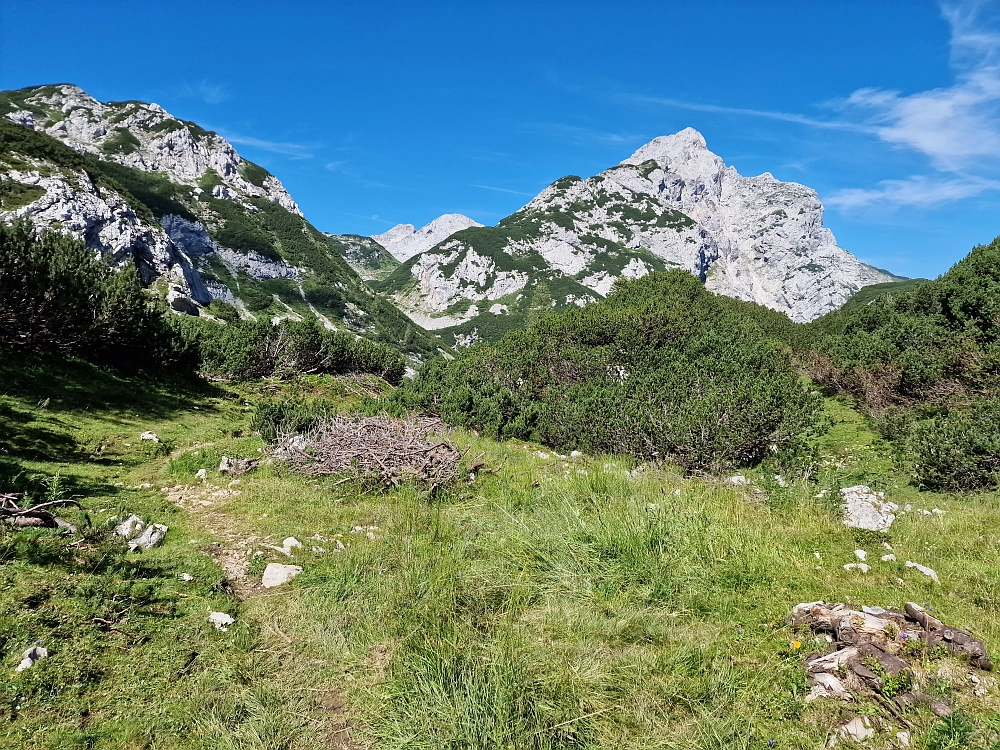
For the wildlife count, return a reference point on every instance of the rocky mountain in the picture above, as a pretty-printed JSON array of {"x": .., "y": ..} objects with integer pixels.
[
  {"x": 364, "y": 255},
  {"x": 672, "y": 204},
  {"x": 202, "y": 223},
  {"x": 404, "y": 241}
]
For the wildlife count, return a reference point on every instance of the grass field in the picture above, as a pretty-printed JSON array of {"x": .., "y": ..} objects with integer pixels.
[{"x": 559, "y": 603}]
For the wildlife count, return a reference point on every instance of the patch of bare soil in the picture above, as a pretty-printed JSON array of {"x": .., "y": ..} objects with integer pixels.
[{"x": 234, "y": 549}]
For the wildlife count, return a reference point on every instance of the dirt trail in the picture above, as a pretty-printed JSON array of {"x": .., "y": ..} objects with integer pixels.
[{"x": 234, "y": 548}]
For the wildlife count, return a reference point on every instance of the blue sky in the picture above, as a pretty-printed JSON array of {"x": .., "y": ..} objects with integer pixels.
[{"x": 379, "y": 113}]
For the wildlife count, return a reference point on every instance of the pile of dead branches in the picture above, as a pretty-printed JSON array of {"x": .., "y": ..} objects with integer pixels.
[{"x": 381, "y": 450}]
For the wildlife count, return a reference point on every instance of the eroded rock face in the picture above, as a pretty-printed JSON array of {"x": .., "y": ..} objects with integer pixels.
[
  {"x": 146, "y": 137},
  {"x": 673, "y": 204}
]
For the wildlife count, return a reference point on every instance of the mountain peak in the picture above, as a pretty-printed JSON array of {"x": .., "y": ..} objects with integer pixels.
[
  {"x": 404, "y": 241},
  {"x": 673, "y": 152}
]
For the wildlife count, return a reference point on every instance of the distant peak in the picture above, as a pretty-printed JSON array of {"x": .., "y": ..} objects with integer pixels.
[{"x": 403, "y": 241}]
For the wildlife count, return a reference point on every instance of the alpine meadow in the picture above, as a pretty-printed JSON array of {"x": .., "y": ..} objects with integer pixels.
[{"x": 641, "y": 459}]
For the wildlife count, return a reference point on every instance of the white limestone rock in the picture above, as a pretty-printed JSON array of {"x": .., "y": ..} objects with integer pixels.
[
  {"x": 221, "y": 620},
  {"x": 276, "y": 574},
  {"x": 865, "y": 509},
  {"x": 404, "y": 241},
  {"x": 31, "y": 657},
  {"x": 159, "y": 142}
]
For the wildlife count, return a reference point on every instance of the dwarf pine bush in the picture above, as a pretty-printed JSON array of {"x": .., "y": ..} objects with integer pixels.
[{"x": 661, "y": 369}]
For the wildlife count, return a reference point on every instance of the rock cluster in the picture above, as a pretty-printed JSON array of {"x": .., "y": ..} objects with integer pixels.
[
  {"x": 866, "y": 509},
  {"x": 879, "y": 652}
]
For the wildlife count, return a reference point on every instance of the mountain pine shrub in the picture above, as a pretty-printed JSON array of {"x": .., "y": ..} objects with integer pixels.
[
  {"x": 959, "y": 449},
  {"x": 56, "y": 296},
  {"x": 661, "y": 369},
  {"x": 247, "y": 350}
]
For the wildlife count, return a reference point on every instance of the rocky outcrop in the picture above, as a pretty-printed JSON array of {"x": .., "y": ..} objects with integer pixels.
[
  {"x": 404, "y": 241},
  {"x": 146, "y": 137},
  {"x": 103, "y": 218}
]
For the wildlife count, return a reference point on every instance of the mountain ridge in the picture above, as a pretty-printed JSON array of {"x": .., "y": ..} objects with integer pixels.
[
  {"x": 204, "y": 225},
  {"x": 671, "y": 204}
]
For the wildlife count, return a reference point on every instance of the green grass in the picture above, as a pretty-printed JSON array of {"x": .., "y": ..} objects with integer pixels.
[{"x": 559, "y": 603}]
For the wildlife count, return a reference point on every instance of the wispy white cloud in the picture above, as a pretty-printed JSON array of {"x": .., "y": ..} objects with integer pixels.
[
  {"x": 294, "y": 150},
  {"x": 768, "y": 114},
  {"x": 956, "y": 127},
  {"x": 206, "y": 91},
  {"x": 577, "y": 134},
  {"x": 502, "y": 190},
  {"x": 919, "y": 190}
]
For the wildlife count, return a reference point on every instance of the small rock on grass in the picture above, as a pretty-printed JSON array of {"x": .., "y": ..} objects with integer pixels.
[
  {"x": 221, "y": 620},
  {"x": 31, "y": 656},
  {"x": 929, "y": 572},
  {"x": 276, "y": 574},
  {"x": 865, "y": 509},
  {"x": 152, "y": 536},
  {"x": 857, "y": 729}
]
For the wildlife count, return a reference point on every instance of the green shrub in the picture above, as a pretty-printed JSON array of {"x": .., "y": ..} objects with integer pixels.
[
  {"x": 55, "y": 296},
  {"x": 661, "y": 369},
  {"x": 255, "y": 349},
  {"x": 929, "y": 342},
  {"x": 224, "y": 311},
  {"x": 275, "y": 418},
  {"x": 255, "y": 298},
  {"x": 959, "y": 449}
]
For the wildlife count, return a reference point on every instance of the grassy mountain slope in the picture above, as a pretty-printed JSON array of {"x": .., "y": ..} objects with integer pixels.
[
  {"x": 372, "y": 261},
  {"x": 870, "y": 293},
  {"x": 559, "y": 603}
]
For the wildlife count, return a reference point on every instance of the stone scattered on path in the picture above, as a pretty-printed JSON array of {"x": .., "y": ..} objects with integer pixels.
[
  {"x": 221, "y": 620},
  {"x": 31, "y": 656},
  {"x": 201, "y": 474},
  {"x": 929, "y": 572},
  {"x": 287, "y": 546},
  {"x": 236, "y": 466},
  {"x": 866, "y": 509},
  {"x": 276, "y": 574}
]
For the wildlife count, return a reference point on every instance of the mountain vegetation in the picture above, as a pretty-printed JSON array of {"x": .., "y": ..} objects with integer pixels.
[
  {"x": 642, "y": 488},
  {"x": 660, "y": 370},
  {"x": 308, "y": 277}
]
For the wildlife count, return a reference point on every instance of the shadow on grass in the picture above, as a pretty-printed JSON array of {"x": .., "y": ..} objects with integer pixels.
[
  {"x": 70, "y": 384},
  {"x": 48, "y": 387}
]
